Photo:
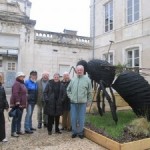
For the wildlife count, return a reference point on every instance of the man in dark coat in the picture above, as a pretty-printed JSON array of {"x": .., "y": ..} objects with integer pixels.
[
  {"x": 3, "y": 105},
  {"x": 53, "y": 107}
]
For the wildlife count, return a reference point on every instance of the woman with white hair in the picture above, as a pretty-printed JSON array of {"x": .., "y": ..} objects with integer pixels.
[
  {"x": 53, "y": 107},
  {"x": 66, "y": 125},
  {"x": 18, "y": 101}
]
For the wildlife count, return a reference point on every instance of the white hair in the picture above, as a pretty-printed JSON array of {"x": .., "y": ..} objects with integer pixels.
[
  {"x": 80, "y": 66},
  {"x": 65, "y": 73}
]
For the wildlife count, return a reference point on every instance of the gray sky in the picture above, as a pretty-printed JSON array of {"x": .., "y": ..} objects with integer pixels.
[{"x": 57, "y": 15}]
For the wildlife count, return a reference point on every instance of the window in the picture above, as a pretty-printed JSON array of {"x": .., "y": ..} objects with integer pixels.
[
  {"x": 11, "y": 66},
  {"x": 109, "y": 58},
  {"x": 133, "y": 57},
  {"x": 132, "y": 10},
  {"x": 63, "y": 68},
  {"x": 109, "y": 16},
  {"x": 1, "y": 65}
]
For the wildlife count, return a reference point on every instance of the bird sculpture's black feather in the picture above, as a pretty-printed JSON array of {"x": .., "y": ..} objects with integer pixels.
[{"x": 130, "y": 85}]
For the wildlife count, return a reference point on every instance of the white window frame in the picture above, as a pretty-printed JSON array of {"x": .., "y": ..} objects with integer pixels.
[
  {"x": 104, "y": 57},
  {"x": 129, "y": 48},
  {"x": 134, "y": 46},
  {"x": 133, "y": 11},
  {"x": 11, "y": 67},
  {"x": 133, "y": 57},
  {"x": 1, "y": 63},
  {"x": 108, "y": 7},
  {"x": 63, "y": 68}
]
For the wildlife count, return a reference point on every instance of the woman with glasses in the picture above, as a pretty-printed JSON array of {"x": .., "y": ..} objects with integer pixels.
[
  {"x": 53, "y": 100},
  {"x": 18, "y": 101}
]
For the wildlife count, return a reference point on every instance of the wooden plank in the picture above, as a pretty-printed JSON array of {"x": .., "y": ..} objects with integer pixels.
[
  {"x": 120, "y": 102},
  {"x": 101, "y": 140},
  {"x": 113, "y": 145},
  {"x": 137, "y": 145}
]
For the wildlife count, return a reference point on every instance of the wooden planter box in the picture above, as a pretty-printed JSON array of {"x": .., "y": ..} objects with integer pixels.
[
  {"x": 120, "y": 102},
  {"x": 113, "y": 145}
]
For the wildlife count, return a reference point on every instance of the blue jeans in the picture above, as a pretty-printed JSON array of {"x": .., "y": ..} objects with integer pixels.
[
  {"x": 78, "y": 112},
  {"x": 16, "y": 122},
  {"x": 28, "y": 118}
]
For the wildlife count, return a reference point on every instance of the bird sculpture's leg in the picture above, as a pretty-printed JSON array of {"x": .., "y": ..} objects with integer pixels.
[
  {"x": 111, "y": 104},
  {"x": 103, "y": 103},
  {"x": 113, "y": 97},
  {"x": 98, "y": 101}
]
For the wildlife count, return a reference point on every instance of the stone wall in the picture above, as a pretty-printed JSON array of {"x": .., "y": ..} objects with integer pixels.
[{"x": 22, "y": 48}]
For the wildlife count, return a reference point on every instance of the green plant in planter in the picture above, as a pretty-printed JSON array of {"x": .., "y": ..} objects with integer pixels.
[
  {"x": 108, "y": 126},
  {"x": 120, "y": 68}
]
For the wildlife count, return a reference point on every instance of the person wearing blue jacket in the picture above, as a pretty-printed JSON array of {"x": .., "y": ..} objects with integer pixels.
[{"x": 31, "y": 86}]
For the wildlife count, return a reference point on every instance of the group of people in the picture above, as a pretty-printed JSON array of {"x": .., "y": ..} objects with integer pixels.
[{"x": 54, "y": 98}]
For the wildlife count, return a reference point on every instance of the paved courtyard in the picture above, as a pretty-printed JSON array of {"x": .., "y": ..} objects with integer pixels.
[{"x": 40, "y": 140}]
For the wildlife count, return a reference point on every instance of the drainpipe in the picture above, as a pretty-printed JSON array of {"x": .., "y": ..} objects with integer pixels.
[{"x": 93, "y": 34}]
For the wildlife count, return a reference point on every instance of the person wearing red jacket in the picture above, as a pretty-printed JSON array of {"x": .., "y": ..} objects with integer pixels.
[{"x": 18, "y": 101}]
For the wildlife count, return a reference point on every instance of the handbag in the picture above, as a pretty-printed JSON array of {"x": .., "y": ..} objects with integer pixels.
[
  {"x": 15, "y": 112},
  {"x": 12, "y": 112}
]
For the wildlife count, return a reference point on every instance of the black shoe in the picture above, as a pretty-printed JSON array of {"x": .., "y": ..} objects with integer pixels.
[
  {"x": 33, "y": 129},
  {"x": 20, "y": 133},
  {"x": 81, "y": 136},
  {"x": 28, "y": 131},
  {"x": 58, "y": 132},
  {"x": 45, "y": 125},
  {"x": 50, "y": 133},
  {"x": 74, "y": 136},
  {"x": 69, "y": 129}
]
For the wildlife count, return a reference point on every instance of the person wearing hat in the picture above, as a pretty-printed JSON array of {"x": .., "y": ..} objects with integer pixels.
[
  {"x": 3, "y": 105},
  {"x": 18, "y": 100},
  {"x": 31, "y": 86},
  {"x": 42, "y": 118}
]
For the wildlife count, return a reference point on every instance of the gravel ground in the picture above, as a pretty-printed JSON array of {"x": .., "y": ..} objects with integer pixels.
[{"x": 40, "y": 140}]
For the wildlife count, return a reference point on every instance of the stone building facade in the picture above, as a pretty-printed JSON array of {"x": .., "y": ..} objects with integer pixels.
[
  {"x": 121, "y": 33},
  {"x": 22, "y": 48}
]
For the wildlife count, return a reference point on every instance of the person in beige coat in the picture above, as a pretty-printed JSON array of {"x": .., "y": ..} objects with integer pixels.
[{"x": 42, "y": 118}]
